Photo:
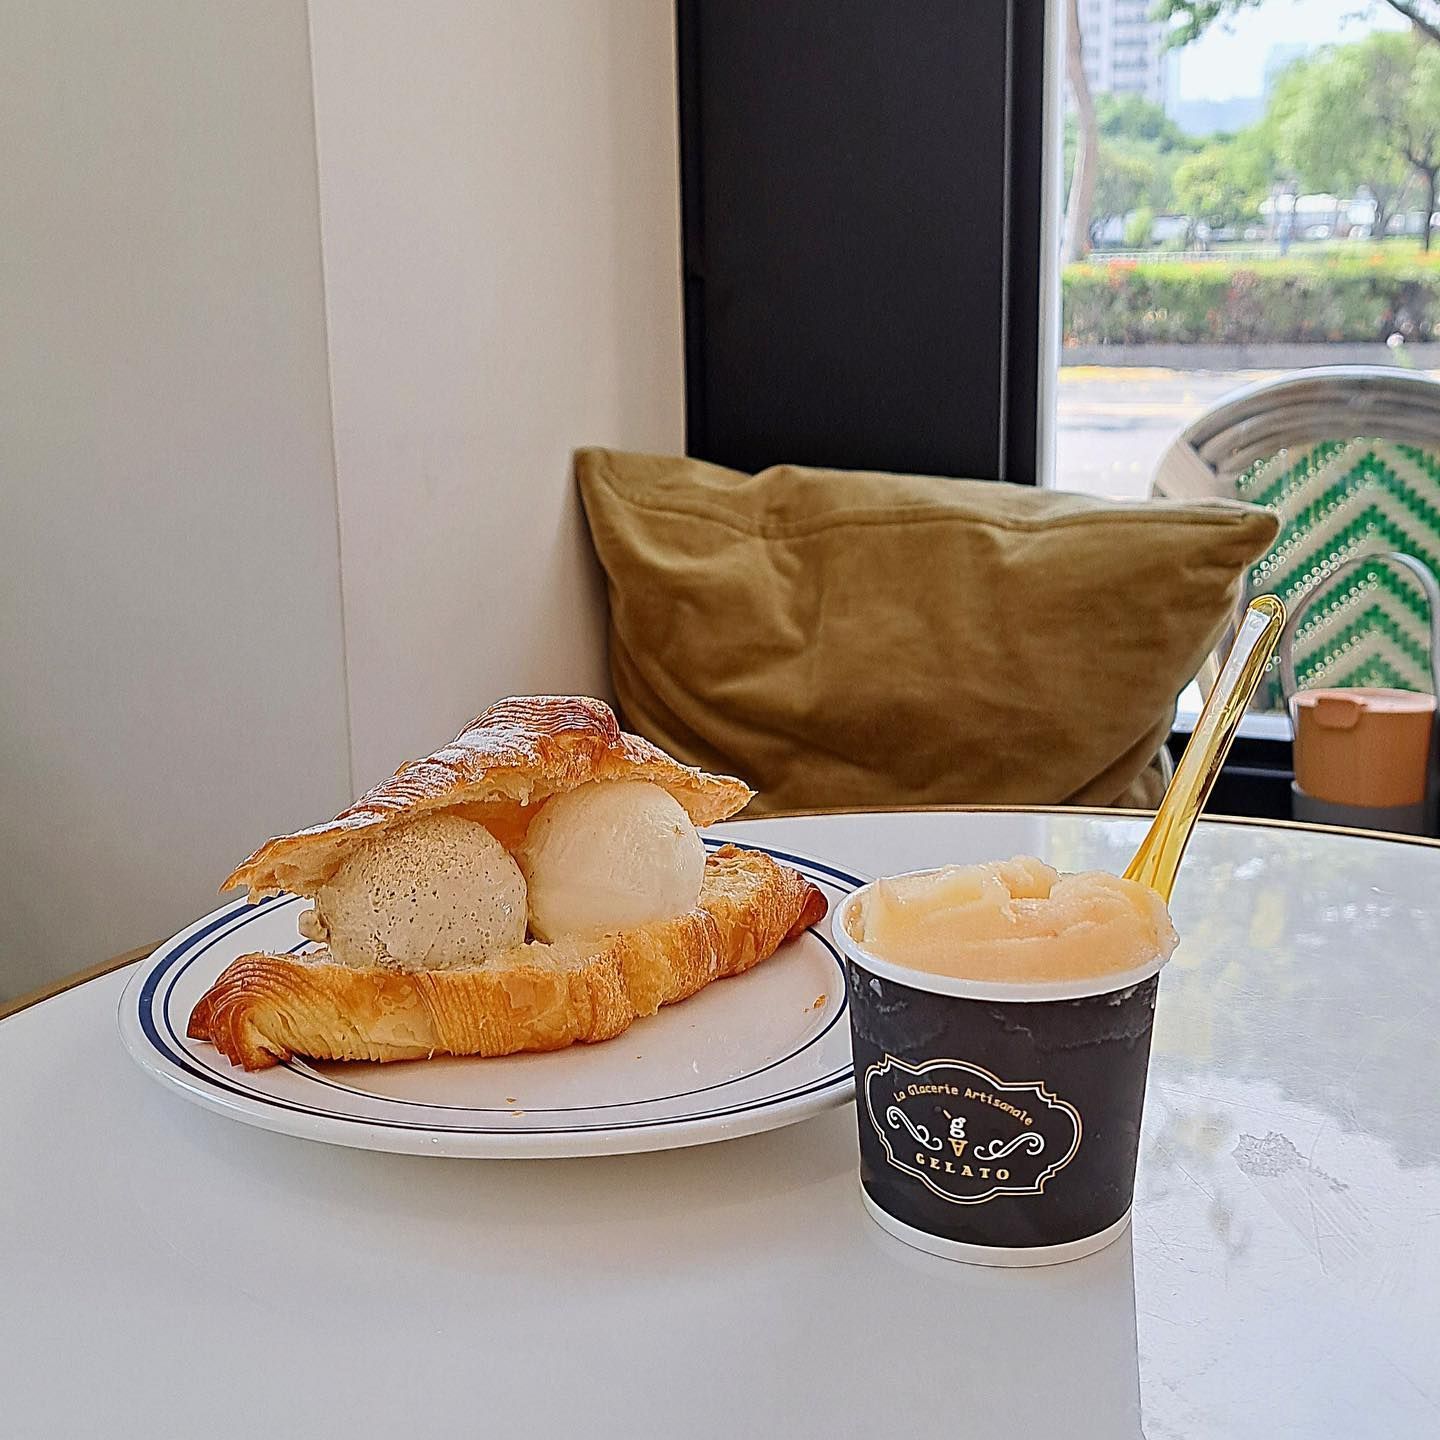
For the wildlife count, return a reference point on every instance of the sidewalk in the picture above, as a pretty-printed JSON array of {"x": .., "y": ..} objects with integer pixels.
[
  {"x": 1113, "y": 423},
  {"x": 1228, "y": 358}
]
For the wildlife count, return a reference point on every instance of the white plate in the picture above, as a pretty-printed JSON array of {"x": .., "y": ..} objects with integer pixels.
[{"x": 751, "y": 1053}]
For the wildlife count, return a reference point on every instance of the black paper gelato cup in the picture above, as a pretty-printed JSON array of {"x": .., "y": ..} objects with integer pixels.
[{"x": 999, "y": 1123}]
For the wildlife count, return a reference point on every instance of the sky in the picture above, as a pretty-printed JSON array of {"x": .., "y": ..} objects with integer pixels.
[{"x": 1231, "y": 61}]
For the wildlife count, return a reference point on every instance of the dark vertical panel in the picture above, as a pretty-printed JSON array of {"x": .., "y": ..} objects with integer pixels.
[
  {"x": 692, "y": 224},
  {"x": 1027, "y": 238},
  {"x": 851, "y": 294}
]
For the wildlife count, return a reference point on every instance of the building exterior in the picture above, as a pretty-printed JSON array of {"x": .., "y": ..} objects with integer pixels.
[{"x": 1124, "y": 49}]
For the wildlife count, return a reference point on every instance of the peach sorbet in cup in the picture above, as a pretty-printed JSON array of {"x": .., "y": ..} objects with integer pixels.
[{"x": 1013, "y": 922}]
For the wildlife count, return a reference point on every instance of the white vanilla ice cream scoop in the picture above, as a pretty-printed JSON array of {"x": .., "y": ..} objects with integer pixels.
[
  {"x": 608, "y": 856},
  {"x": 439, "y": 892},
  {"x": 1014, "y": 921}
]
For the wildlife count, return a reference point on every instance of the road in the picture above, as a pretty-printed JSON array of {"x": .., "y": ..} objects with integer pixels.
[{"x": 1113, "y": 424}]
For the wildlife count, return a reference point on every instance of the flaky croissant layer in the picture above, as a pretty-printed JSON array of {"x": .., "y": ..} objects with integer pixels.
[{"x": 499, "y": 770}]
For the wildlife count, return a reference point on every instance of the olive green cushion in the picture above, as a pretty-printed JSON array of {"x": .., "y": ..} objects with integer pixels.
[{"x": 840, "y": 638}]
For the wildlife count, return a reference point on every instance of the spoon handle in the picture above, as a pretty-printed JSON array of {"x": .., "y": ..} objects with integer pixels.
[{"x": 1158, "y": 858}]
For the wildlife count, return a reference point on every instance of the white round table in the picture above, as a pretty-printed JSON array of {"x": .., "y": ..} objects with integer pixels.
[{"x": 166, "y": 1272}]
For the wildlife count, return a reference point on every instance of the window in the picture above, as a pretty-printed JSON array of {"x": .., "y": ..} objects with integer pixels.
[{"x": 1218, "y": 176}]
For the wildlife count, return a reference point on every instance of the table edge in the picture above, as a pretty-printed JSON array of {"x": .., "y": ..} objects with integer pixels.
[
  {"x": 1122, "y": 812},
  {"x": 74, "y": 981},
  {"x": 118, "y": 962}
]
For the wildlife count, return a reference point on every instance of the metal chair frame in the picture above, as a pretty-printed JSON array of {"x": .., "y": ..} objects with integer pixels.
[{"x": 1302, "y": 409}]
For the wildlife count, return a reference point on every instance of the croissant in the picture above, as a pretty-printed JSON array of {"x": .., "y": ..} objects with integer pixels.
[
  {"x": 501, "y": 770},
  {"x": 265, "y": 1008}
]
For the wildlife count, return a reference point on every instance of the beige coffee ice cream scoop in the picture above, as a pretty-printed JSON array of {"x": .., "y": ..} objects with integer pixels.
[{"x": 437, "y": 893}]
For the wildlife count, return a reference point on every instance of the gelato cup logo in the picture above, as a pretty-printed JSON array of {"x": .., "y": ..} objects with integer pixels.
[{"x": 966, "y": 1134}]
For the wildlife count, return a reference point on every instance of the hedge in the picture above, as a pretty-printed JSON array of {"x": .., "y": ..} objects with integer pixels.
[{"x": 1128, "y": 302}]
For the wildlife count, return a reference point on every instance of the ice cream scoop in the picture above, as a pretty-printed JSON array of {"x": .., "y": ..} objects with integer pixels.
[
  {"x": 1013, "y": 921},
  {"x": 438, "y": 892},
  {"x": 607, "y": 856}
]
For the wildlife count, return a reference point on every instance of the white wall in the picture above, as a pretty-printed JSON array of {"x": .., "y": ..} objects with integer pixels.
[
  {"x": 170, "y": 648},
  {"x": 500, "y": 220},
  {"x": 495, "y": 244}
]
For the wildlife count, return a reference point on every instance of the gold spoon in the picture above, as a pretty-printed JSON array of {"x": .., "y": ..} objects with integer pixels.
[{"x": 1158, "y": 858}]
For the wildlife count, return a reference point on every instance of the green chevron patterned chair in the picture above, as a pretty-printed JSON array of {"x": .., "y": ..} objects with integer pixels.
[{"x": 1349, "y": 458}]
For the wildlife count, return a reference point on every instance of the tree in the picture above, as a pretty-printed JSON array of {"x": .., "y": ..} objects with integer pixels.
[
  {"x": 1136, "y": 151},
  {"x": 1131, "y": 125},
  {"x": 1224, "y": 183},
  {"x": 1140, "y": 228},
  {"x": 1127, "y": 174},
  {"x": 1082, "y": 178},
  {"x": 1132, "y": 117},
  {"x": 1123, "y": 179},
  {"x": 1406, "y": 77},
  {"x": 1190, "y": 19},
  {"x": 1329, "y": 118}
]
